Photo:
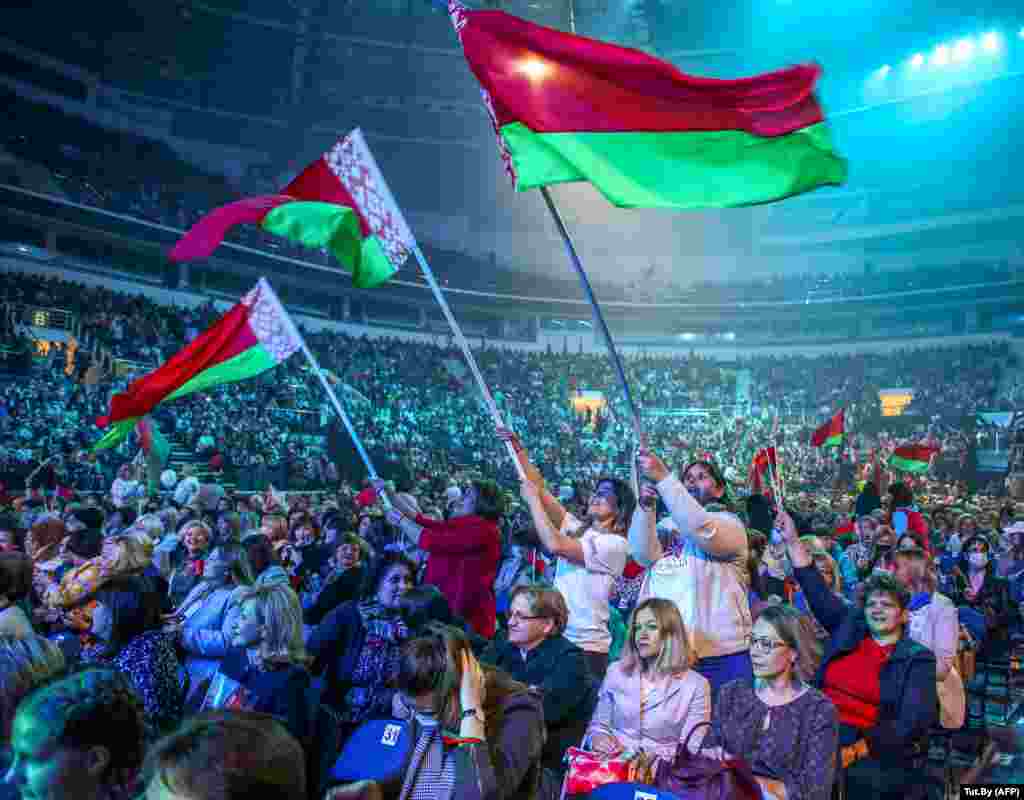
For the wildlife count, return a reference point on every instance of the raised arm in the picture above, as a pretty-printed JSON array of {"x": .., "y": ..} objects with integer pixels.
[
  {"x": 554, "y": 510},
  {"x": 716, "y": 533},
  {"x": 644, "y": 545},
  {"x": 555, "y": 542}
]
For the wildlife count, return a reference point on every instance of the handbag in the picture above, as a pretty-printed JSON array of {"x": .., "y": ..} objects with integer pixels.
[
  {"x": 692, "y": 776},
  {"x": 586, "y": 770}
]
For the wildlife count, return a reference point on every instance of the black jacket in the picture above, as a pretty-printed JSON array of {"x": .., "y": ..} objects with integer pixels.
[
  {"x": 558, "y": 668},
  {"x": 909, "y": 702},
  {"x": 344, "y": 588}
]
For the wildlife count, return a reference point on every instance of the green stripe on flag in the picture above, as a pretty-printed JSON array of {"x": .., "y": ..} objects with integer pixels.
[
  {"x": 686, "y": 169},
  {"x": 908, "y": 465},
  {"x": 115, "y": 434},
  {"x": 246, "y": 364},
  {"x": 834, "y": 440}
]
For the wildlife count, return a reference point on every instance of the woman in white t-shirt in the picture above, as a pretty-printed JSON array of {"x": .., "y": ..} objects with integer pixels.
[{"x": 591, "y": 553}]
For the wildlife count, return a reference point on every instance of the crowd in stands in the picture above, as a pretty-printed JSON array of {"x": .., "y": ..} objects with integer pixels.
[{"x": 244, "y": 640}]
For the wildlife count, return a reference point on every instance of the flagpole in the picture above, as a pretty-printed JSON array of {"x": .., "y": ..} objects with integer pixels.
[
  {"x": 294, "y": 331},
  {"x": 598, "y": 316},
  {"x": 428, "y": 273}
]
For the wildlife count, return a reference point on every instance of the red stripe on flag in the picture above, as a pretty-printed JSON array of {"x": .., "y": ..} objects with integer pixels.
[
  {"x": 230, "y": 336},
  {"x": 556, "y": 82},
  {"x": 317, "y": 183}
]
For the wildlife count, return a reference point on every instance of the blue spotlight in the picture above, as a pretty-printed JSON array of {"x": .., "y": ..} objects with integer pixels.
[
  {"x": 990, "y": 42},
  {"x": 941, "y": 55},
  {"x": 917, "y": 61},
  {"x": 963, "y": 50},
  {"x": 883, "y": 70}
]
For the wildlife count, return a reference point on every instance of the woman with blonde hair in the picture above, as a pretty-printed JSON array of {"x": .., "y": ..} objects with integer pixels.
[
  {"x": 651, "y": 699},
  {"x": 265, "y": 667}
]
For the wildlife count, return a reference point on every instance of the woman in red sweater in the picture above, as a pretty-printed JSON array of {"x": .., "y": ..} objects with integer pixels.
[{"x": 463, "y": 552}]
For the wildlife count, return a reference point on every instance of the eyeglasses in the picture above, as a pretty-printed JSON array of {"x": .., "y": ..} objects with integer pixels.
[
  {"x": 524, "y": 617},
  {"x": 763, "y": 643}
]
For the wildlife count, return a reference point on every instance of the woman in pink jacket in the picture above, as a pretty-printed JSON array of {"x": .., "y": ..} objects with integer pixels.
[{"x": 650, "y": 699}]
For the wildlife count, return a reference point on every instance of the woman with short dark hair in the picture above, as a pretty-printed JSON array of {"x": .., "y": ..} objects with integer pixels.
[{"x": 358, "y": 644}]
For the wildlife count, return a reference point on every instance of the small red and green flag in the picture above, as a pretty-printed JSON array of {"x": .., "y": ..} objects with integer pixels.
[
  {"x": 335, "y": 203},
  {"x": 914, "y": 458},
  {"x": 764, "y": 462},
  {"x": 253, "y": 336},
  {"x": 831, "y": 433},
  {"x": 568, "y": 108}
]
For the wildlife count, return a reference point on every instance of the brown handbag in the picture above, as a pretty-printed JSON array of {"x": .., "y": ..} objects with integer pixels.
[{"x": 692, "y": 776}]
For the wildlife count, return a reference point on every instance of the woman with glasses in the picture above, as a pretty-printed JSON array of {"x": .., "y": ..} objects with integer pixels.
[
  {"x": 592, "y": 553},
  {"x": 537, "y": 653},
  {"x": 650, "y": 699},
  {"x": 783, "y": 728},
  {"x": 706, "y": 575},
  {"x": 882, "y": 682}
]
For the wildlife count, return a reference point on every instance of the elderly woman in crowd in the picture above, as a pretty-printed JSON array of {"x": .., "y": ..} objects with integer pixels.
[
  {"x": 204, "y": 622},
  {"x": 882, "y": 683},
  {"x": 536, "y": 653},
  {"x": 344, "y": 579},
  {"x": 783, "y": 728},
  {"x": 179, "y": 558},
  {"x": 651, "y": 699},
  {"x": 358, "y": 644}
]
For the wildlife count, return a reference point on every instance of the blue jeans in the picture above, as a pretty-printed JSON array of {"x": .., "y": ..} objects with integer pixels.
[{"x": 720, "y": 670}]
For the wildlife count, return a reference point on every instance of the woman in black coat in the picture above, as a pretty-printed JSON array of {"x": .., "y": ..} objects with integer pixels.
[{"x": 881, "y": 681}]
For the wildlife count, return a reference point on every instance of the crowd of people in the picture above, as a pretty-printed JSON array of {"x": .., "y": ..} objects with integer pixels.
[{"x": 637, "y": 607}]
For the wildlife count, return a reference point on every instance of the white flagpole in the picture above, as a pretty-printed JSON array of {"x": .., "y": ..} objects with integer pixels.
[
  {"x": 359, "y": 142},
  {"x": 467, "y": 353},
  {"x": 294, "y": 331}
]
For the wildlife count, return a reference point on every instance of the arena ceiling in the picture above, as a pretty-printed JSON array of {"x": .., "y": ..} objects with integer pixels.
[{"x": 929, "y": 151}]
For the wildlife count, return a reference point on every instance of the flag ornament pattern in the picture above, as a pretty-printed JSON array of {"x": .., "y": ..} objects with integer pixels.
[
  {"x": 316, "y": 210},
  {"x": 831, "y": 433},
  {"x": 568, "y": 108},
  {"x": 914, "y": 459},
  {"x": 250, "y": 338}
]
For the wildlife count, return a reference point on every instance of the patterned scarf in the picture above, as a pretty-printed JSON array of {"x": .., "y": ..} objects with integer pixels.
[{"x": 378, "y": 660}]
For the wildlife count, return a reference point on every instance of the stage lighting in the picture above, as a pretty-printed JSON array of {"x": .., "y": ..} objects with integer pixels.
[
  {"x": 883, "y": 70},
  {"x": 917, "y": 60},
  {"x": 941, "y": 55},
  {"x": 534, "y": 69},
  {"x": 990, "y": 41},
  {"x": 963, "y": 50}
]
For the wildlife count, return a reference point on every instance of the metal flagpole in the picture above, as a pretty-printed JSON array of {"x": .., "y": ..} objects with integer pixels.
[
  {"x": 598, "y": 316},
  {"x": 428, "y": 273}
]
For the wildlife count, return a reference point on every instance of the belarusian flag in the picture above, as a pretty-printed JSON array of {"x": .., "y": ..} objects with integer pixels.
[
  {"x": 321, "y": 208},
  {"x": 831, "y": 433},
  {"x": 567, "y": 108},
  {"x": 764, "y": 460},
  {"x": 914, "y": 458},
  {"x": 252, "y": 337}
]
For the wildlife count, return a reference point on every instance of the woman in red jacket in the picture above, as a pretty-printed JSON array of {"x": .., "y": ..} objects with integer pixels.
[{"x": 463, "y": 552}]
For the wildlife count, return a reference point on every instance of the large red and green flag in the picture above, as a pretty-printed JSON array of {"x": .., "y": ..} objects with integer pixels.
[
  {"x": 255, "y": 335},
  {"x": 568, "y": 108},
  {"x": 831, "y": 433},
  {"x": 913, "y": 458},
  {"x": 324, "y": 207}
]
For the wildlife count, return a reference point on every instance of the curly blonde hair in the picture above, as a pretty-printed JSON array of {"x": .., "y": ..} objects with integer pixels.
[{"x": 281, "y": 614}]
